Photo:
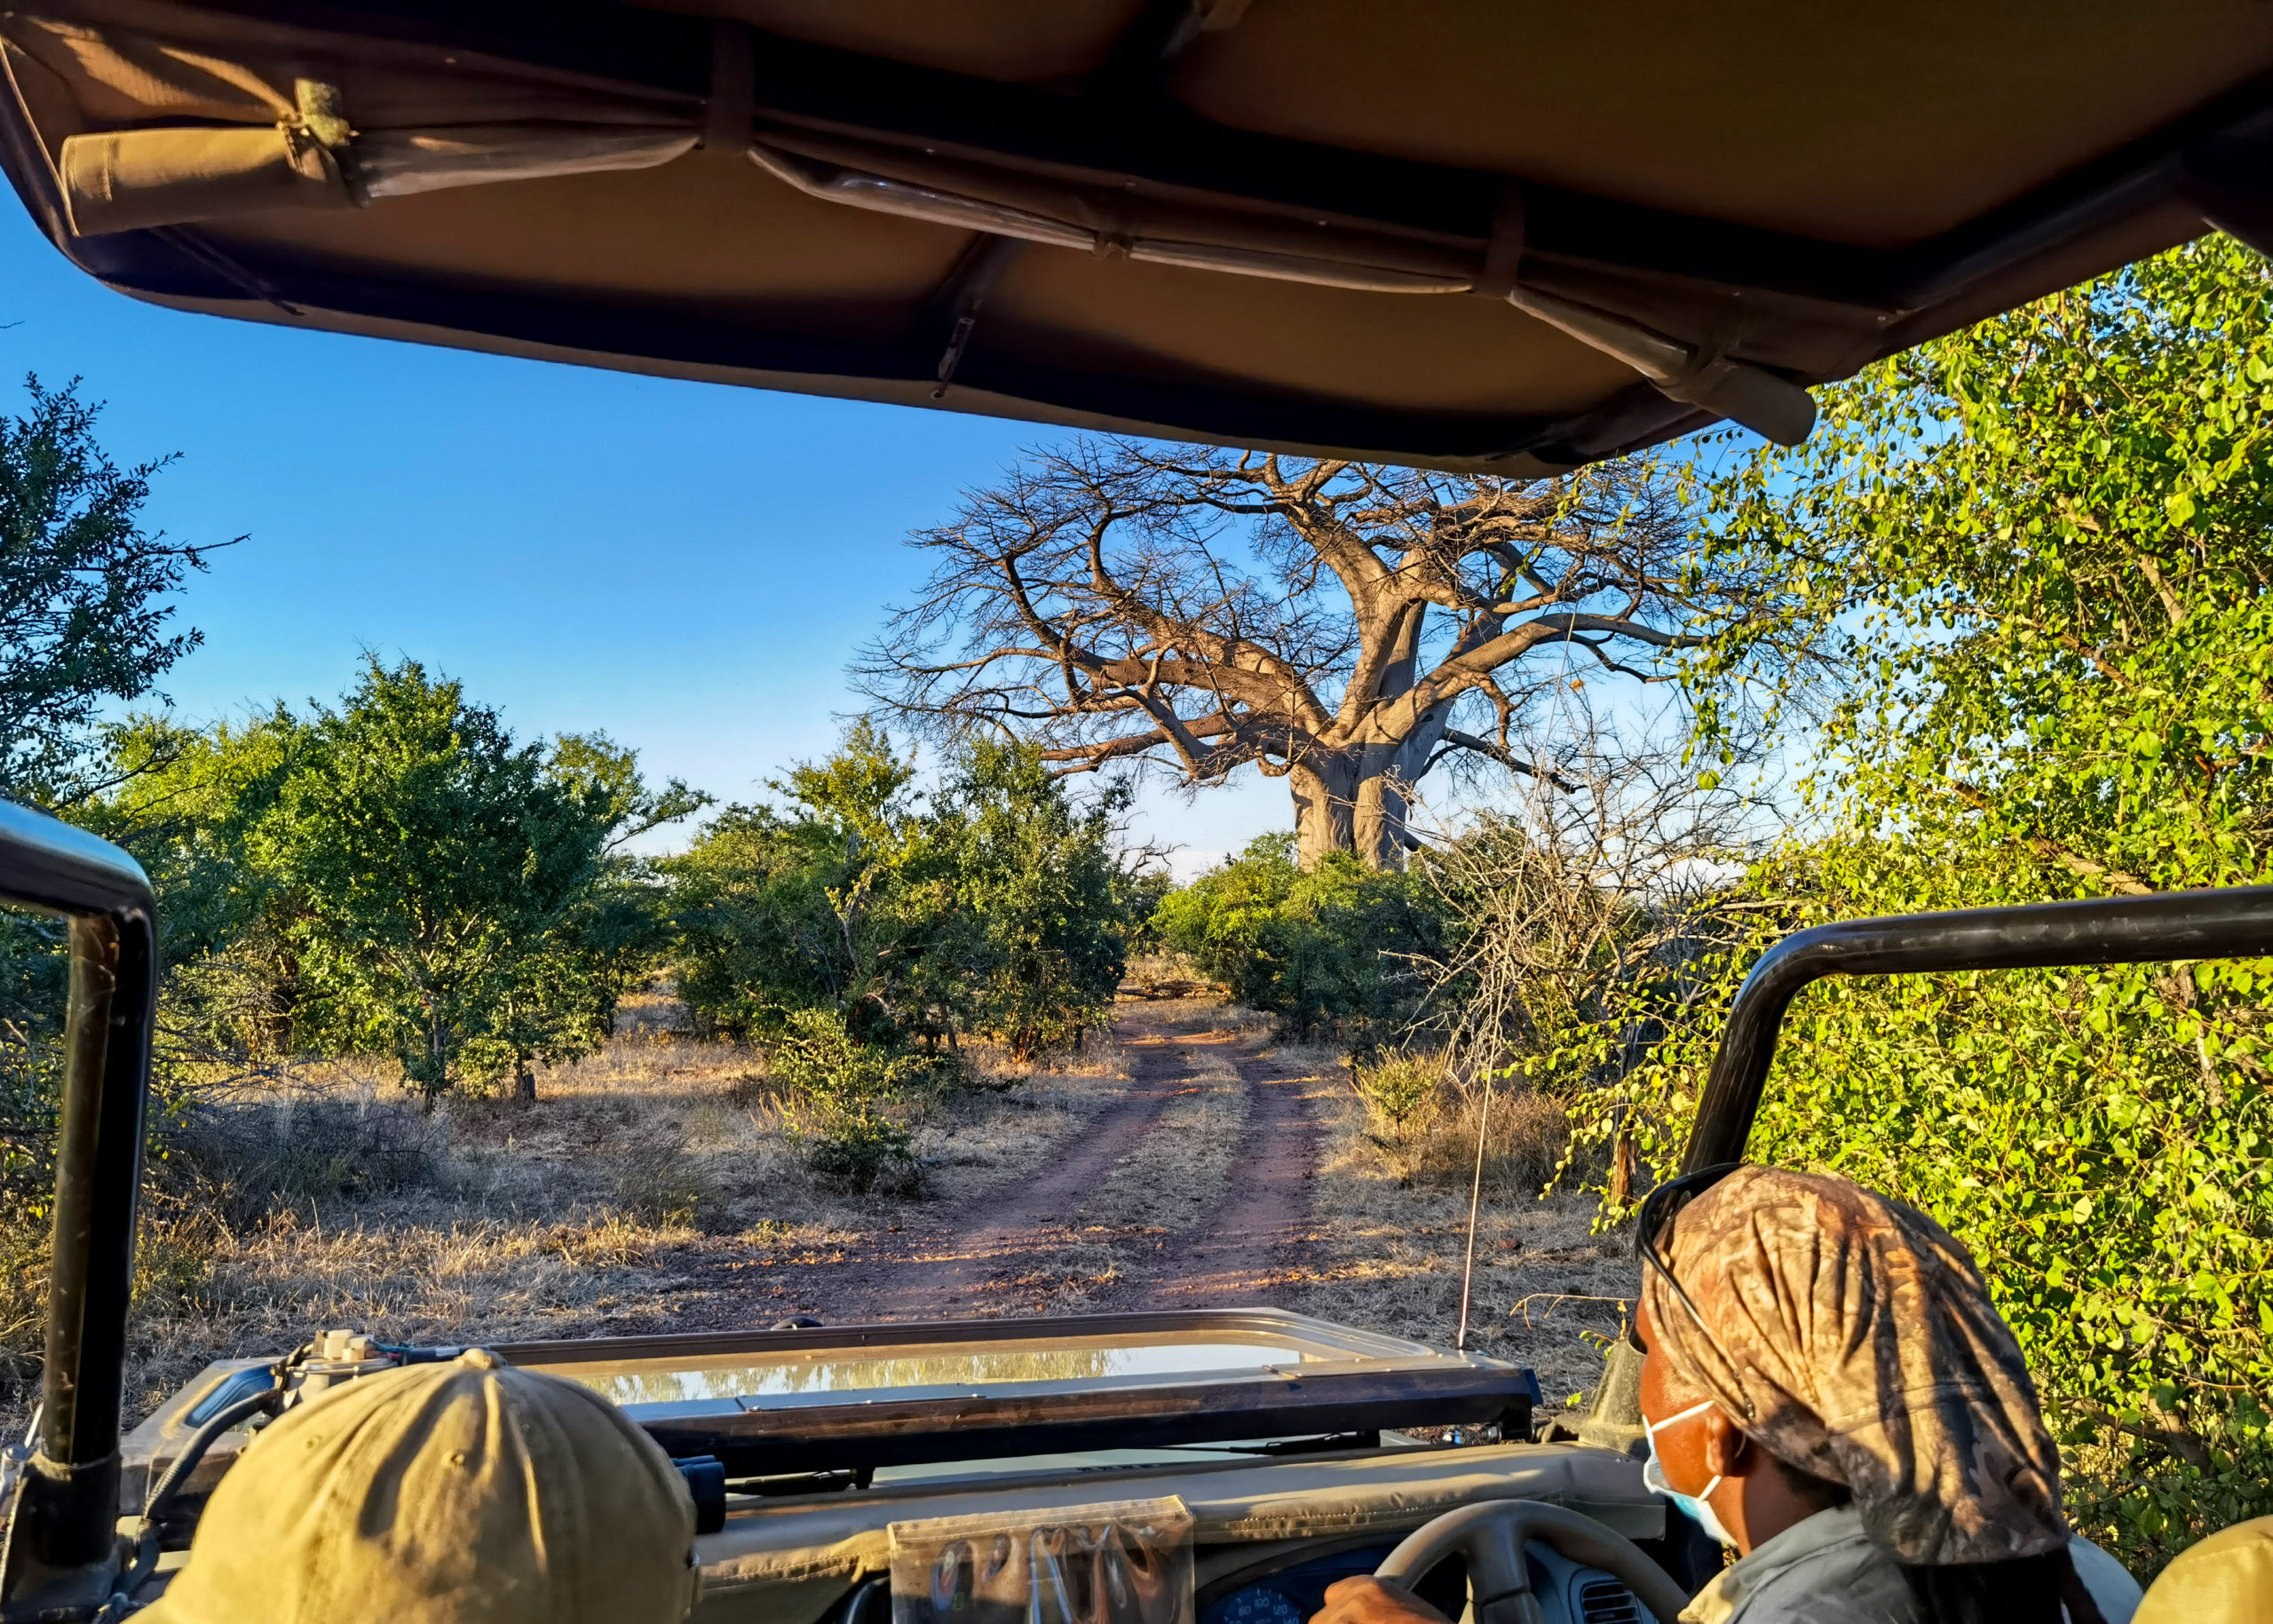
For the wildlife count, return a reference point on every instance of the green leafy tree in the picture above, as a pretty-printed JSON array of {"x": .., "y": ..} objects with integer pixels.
[
  {"x": 606, "y": 774},
  {"x": 1326, "y": 950},
  {"x": 999, "y": 908},
  {"x": 1037, "y": 937},
  {"x": 619, "y": 931},
  {"x": 187, "y": 803},
  {"x": 84, "y": 591},
  {"x": 755, "y": 934},
  {"x": 446, "y": 876},
  {"x": 1220, "y": 920},
  {"x": 2036, "y": 553},
  {"x": 221, "y": 819},
  {"x": 822, "y": 902}
]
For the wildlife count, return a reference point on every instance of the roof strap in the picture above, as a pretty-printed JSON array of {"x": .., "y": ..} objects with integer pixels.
[
  {"x": 1697, "y": 375},
  {"x": 733, "y": 102},
  {"x": 1505, "y": 251}
]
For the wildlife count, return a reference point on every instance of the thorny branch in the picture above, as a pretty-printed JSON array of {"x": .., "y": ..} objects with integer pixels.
[{"x": 1581, "y": 912}]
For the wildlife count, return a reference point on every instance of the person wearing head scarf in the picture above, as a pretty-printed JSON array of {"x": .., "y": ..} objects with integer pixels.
[
  {"x": 1827, "y": 1389},
  {"x": 458, "y": 1493}
]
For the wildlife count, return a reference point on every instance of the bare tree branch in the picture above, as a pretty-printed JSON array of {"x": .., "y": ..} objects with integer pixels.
[
  {"x": 1338, "y": 624},
  {"x": 1455, "y": 739}
]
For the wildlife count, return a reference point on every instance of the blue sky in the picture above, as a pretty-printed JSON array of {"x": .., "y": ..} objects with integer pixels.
[{"x": 686, "y": 567}]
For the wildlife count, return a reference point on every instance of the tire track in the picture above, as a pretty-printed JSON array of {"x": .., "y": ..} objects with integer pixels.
[
  {"x": 1015, "y": 1249},
  {"x": 959, "y": 1273},
  {"x": 1243, "y": 1253},
  {"x": 967, "y": 1261}
]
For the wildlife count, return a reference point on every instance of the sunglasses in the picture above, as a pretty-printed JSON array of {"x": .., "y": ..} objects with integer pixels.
[{"x": 1659, "y": 1209}]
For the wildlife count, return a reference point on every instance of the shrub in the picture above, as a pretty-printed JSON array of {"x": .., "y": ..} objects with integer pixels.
[
  {"x": 1400, "y": 1091},
  {"x": 242, "y": 1163},
  {"x": 846, "y": 1099},
  {"x": 1430, "y": 1126},
  {"x": 1328, "y": 952},
  {"x": 656, "y": 1181},
  {"x": 817, "y": 1056},
  {"x": 2035, "y": 553},
  {"x": 34, "y": 978},
  {"x": 862, "y": 1148}
]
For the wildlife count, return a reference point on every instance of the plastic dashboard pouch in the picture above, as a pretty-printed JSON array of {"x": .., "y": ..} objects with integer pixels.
[{"x": 1123, "y": 1562}]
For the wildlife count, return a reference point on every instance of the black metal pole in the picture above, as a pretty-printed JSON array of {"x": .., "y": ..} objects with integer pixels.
[
  {"x": 60, "y": 1538},
  {"x": 2236, "y": 922},
  {"x": 97, "y": 1177}
]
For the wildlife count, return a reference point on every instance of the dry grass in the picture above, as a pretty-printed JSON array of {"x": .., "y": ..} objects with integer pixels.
[
  {"x": 610, "y": 1206},
  {"x": 1525, "y": 1135},
  {"x": 1436, "y": 1132},
  {"x": 1077, "y": 1274},
  {"x": 1391, "y": 1209},
  {"x": 978, "y": 1139},
  {"x": 328, "y": 1198}
]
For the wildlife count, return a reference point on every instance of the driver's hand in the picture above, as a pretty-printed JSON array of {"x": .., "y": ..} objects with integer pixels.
[{"x": 1368, "y": 1600}]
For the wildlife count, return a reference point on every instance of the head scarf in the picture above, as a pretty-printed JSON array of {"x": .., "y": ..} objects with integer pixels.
[{"x": 1851, "y": 1337}]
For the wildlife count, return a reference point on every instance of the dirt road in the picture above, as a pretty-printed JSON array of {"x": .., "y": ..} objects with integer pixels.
[{"x": 1191, "y": 1188}]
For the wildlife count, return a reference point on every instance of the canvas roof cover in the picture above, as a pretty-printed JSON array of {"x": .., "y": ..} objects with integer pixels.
[{"x": 1468, "y": 234}]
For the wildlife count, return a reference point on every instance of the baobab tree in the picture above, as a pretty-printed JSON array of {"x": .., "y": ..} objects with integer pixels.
[{"x": 1344, "y": 626}]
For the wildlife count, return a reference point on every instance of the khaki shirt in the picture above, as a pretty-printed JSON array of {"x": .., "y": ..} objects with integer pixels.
[{"x": 1825, "y": 1570}]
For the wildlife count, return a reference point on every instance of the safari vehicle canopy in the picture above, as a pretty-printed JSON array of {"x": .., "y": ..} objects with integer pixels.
[
  {"x": 1456, "y": 235},
  {"x": 1447, "y": 232}
]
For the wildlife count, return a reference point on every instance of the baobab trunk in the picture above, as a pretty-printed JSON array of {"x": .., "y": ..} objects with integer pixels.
[
  {"x": 1324, "y": 800},
  {"x": 1378, "y": 827},
  {"x": 1339, "y": 806}
]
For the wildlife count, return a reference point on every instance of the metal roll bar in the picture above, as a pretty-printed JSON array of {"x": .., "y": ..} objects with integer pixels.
[
  {"x": 2231, "y": 924},
  {"x": 60, "y": 1549}
]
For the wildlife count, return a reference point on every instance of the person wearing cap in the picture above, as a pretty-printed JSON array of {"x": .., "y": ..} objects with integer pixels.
[
  {"x": 458, "y": 1493},
  {"x": 1827, "y": 1390}
]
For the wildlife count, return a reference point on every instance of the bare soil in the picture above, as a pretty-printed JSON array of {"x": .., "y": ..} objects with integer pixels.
[{"x": 1191, "y": 1188}]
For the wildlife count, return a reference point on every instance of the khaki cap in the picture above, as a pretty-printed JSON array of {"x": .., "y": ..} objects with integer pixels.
[
  {"x": 465, "y": 1493},
  {"x": 2227, "y": 1579}
]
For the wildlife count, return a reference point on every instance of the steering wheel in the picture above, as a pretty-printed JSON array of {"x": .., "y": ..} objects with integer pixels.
[{"x": 1492, "y": 1535}]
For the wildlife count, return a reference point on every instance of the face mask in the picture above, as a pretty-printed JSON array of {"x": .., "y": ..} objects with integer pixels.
[{"x": 1653, "y": 1478}]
